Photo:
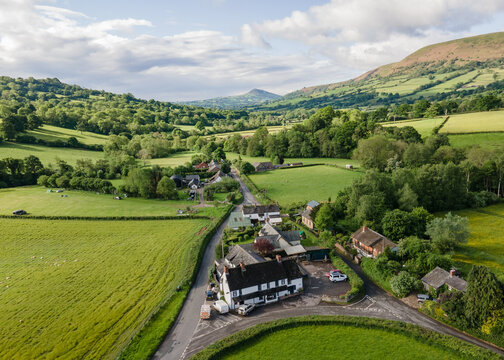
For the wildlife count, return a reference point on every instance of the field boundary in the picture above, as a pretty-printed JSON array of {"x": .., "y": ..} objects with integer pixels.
[
  {"x": 438, "y": 128},
  {"x": 474, "y": 132},
  {"x": 440, "y": 341},
  {"x": 152, "y": 332},
  {"x": 105, "y": 218}
]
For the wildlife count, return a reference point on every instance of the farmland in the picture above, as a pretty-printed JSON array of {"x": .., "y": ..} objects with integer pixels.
[
  {"x": 47, "y": 154},
  {"x": 485, "y": 245},
  {"x": 53, "y": 133},
  {"x": 85, "y": 295},
  {"x": 489, "y": 121},
  {"x": 330, "y": 161},
  {"x": 485, "y": 140},
  {"x": 423, "y": 126},
  {"x": 175, "y": 160},
  {"x": 37, "y": 201},
  {"x": 304, "y": 183}
]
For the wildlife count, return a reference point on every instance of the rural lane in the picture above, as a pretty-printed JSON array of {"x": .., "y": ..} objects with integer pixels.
[{"x": 178, "y": 338}]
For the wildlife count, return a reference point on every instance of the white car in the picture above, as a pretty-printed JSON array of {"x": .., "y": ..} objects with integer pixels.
[
  {"x": 337, "y": 277},
  {"x": 245, "y": 309}
]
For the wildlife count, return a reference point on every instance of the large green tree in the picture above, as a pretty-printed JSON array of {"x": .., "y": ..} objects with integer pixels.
[
  {"x": 448, "y": 232},
  {"x": 166, "y": 188}
]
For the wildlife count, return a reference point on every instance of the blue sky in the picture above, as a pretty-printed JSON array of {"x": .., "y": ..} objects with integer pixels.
[{"x": 184, "y": 50}]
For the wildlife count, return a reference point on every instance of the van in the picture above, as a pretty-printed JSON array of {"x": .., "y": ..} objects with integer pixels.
[
  {"x": 205, "y": 312},
  {"x": 221, "y": 306}
]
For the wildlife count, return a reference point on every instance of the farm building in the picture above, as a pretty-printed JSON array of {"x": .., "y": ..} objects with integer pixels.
[
  {"x": 217, "y": 177},
  {"x": 370, "y": 244},
  {"x": 263, "y": 166},
  {"x": 262, "y": 213},
  {"x": 262, "y": 282},
  {"x": 214, "y": 166},
  {"x": 439, "y": 277},
  {"x": 237, "y": 220},
  {"x": 317, "y": 253},
  {"x": 306, "y": 215}
]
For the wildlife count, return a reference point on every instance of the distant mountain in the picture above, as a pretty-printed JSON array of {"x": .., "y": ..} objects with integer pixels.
[
  {"x": 449, "y": 69},
  {"x": 253, "y": 97}
]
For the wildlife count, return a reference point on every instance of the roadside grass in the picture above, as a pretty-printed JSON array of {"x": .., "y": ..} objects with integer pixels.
[
  {"x": 306, "y": 161},
  {"x": 175, "y": 160},
  {"x": 288, "y": 186},
  {"x": 486, "y": 242},
  {"x": 485, "y": 140},
  {"x": 47, "y": 155},
  {"x": 76, "y": 289},
  {"x": 423, "y": 126},
  {"x": 36, "y": 201},
  {"x": 340, "y": 337},
  {"x": 53, "y": 133},
  {"x": 474, "y": 122}
]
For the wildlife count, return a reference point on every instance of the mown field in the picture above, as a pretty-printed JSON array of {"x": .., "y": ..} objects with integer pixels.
[
  {"x": 423, "y": 126},
  {"x": 330, "y": 161},
  {"x": 175, "y": 160},
  {"x": 81, "y": 289},
  {"x": 474, "y": 122},
  {"x": 486, "y": 242},
  {"x": 47, "y": 154},
  {"x": 485, "y": 140},
  {"x": 305, "y": 183},
  {"x": 271, "y": 129},
  {"x": 53, "y": 133},
  {"x": 36, "y": 201}
]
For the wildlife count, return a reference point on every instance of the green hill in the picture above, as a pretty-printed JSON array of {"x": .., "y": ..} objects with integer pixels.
[
  {"x": 253, "y": 97},
  {"x": 452, "y": 69}
]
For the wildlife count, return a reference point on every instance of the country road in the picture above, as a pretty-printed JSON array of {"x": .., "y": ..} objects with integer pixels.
[
  {"x": 189, "y": 335},
  {"x": 177, "y": 340}
]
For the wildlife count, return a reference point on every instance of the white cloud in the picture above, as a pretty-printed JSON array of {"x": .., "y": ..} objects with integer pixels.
[{"x": 251, "y": 37}]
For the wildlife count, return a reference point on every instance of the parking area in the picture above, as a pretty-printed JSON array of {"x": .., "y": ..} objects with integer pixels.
[{"x": 318, "y": 283}]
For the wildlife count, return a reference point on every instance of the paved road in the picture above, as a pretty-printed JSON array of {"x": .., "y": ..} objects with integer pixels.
[{"x": 177, "y": 340}]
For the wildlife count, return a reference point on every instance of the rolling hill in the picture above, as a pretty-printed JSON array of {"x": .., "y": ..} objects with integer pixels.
[
  {"x": 253, "y": 97},
  {"x": 456, "y": 68}
]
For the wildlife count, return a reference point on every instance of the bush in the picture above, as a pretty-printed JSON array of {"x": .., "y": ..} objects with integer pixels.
[
  {"x": 356, "y": 282},
  {"x": 403, "y": 284},
  {"x": 247, "y": 168}
]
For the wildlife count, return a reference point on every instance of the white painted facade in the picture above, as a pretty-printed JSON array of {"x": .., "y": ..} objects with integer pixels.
[{"x": 271, "y": 217}]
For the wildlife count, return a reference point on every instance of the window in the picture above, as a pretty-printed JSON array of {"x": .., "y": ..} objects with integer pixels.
[
  {"x": 267, "y": 285},
  {"x": 235, "y": 293},
  {"x": 282, "y": 282},
  {"x": 259, "y": 287}
]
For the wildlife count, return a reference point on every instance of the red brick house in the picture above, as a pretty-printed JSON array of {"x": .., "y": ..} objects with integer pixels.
[
  {"x": 201, "y": 166},
  {"x": 369, "y": 243}
]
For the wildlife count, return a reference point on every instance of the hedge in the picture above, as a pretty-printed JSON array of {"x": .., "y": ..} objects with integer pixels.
[
  {"x": 108, "y": 218},
  {"x": 148, "y": 339},
  {"x": 444, "y": 342},
  {"x": 356, "y": 282}
]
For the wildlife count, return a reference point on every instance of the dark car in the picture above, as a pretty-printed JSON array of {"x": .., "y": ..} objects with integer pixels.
[
  {"x": 19, "y": 212},
  {"x": 210, "y": 295}
]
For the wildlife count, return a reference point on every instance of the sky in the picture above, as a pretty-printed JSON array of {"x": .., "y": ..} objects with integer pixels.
[{"x": 197, "y": 49}]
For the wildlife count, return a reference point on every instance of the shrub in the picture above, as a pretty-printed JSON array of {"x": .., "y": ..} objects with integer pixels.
[{"x": 403, "y": 284}]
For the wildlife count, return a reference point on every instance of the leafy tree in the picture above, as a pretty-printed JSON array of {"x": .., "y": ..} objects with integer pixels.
[
  {"x": 247, "y": 168},
  {"x": 448, "y": 232},
  {"x": 167, "y": 189},
  {"x": 373, "y": 153},
  {"x": 325, "y": 218},
  {"x": 263, "y": 246},
  {"x": 407, "y": 198},
  {"x": 403, "y": 283},
  {"x": 200, "y": 126},
  {"x": 483, "y": 296},
  {"x": 422, "y": 217}
]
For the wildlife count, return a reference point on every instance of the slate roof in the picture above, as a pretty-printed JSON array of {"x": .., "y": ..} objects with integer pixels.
[
  {"x": 313, "y": 204},
  {"x": 261, "y": 273},
  {"x": 307, "y": 214},
  {"x": 261, "y": 166},
  {"x": 293, "y": 250},
  {"x": 192, "y": 177},
  {"x": 373, "y": 239},
  {"x": 260, "y": 209},
  {"x": 243, "y": 253},
  {"x": 438, "y": 277}
]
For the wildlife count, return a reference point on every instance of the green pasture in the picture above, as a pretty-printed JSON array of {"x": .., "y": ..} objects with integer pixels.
[
  {"x": 486, "y": 121},
  {"x": 304, "y": 183},
  {"x": 485, "y": 140},
  {"x": 305, "y": 161},
  {"x": 53, "y": 133},
  {"x": 36, "y": 201},
  {"x": 175, "y": 160},
  {"x": 271, "y": 130},
  {"x": 47, "y": 155},
  {"x": 423, "y": 126},
  {"x": 486, "y": 241},
  {"x": 74, "y": 289}
]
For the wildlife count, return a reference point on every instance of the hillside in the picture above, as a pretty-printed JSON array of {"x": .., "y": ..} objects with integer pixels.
[
  {"x": 452, "y": 69},
  {"x": 253, "y": 97}
]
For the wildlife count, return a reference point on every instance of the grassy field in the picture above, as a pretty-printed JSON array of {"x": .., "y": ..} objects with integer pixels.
[
  {"x": 175, "y": 160},
  {"x": 423, "y": 126},
  {"x": 272, "y": 130},
  {"x": 486, "y": 242},
  {"x": 47, "y": 154},
  {"x": 81, "y": 289},
  {"x": 331, "y": 161},
  {"x": 474, "y": 122},
  {"x": 305, "y": 183},
  {"x": 485, "y": 140},
  {"x": 53, "y": 133},
  {"x": 36, "y": 201}
]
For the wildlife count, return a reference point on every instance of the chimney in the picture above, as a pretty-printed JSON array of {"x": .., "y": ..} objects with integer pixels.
[
  {"x": 226, "y": 270},
  {"x": 242, "y": 265},
  {"x": 279, "y": 258},
  {"x": 364, "y": 228},
  {"x": 453, "y": 272}
]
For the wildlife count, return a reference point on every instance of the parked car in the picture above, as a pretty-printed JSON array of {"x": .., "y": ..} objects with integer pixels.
[
  {"x": 19, "y": 212},
  {"x": 209, "y": 295},
  {"x": 333, "y": 271},
  {"x": 337, "y": 277},
  {"x": 423, "y": 298},
  {"x": 244, "y": 310}
]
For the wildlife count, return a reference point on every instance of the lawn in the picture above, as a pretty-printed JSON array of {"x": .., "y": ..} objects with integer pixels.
[
  {"x": 485, "y": 140},
  {"x": 305, "y": 183},
  {"x": 423, "y": 126},
  {"x": 53, "y": 133},
  {"x": 330, "y": 161},
  {"x": 47, "y": 154},
  {"x": 474, "y": 122},
  {"x": 81, "y": 289},
  {"x": 486, "y": 242},
  {"x": 175, "y": 160},
  {"x": 36, "y": 201}
]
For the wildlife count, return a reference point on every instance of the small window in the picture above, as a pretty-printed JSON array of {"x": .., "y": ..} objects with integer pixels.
[
  {"x": 282, "y": 282},
  {"x": 259, "y": 287},
  {"x": 235, "y": 293}
]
